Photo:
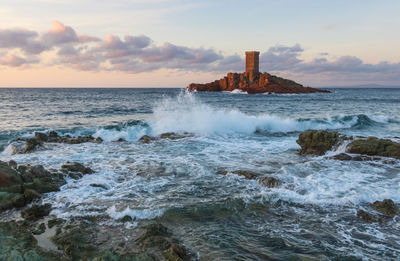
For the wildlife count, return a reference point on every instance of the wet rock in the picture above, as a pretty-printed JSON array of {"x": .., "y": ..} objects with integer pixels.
[
  {"x": 158, "y": 241},
  {"x": 76, "y": 167},
  {"x": 53, "y": 134},
  {"x": 367, "y": 216},
  {"x": 40, "y": 136},
  {"x": 146, "y": 139},
  {"x": 373, "y": 146},
  {"x": 75, "y": 241},
  {"x": 121, "y": 140},
  {"x": 12, "y": 164},
  {"x": 168, "y": 135},
  {"x": 39, "y": 229},
  {"x": 8, "y": 175},
  {"x": 386, "y": 207},
  {"x": 317, "y": 142},
  {"x": 36, "y": 212},
  {"x": 30, "y": 144},
  {"x": 269, "y": 182},
  {"x": 342, "y": 156},
  {"x": 246, "y": 174},
  {"x": 175, "y": 136},
  {"x": 99, "y": 186},
  {"x": 79, "y": 242},
  {"x": 18, "y": 243},
  {"x": 55, "y": 222},
  {"x": 176, "y": 252}
]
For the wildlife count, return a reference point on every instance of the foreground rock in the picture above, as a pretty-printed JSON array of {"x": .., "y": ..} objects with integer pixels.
[
  {"x": 317, "y": 142},
  {"x": 157, "y": 241},
  {"x": 253, "y": 82},
  {"x": 373, "y": 146},
  {"x": 30, "y": 144},
  {"x": 20, "y": 185},
  {"x": 18, "y": 243},
  {"x": 36, "y": 212},
  {"x": 385, "y": 210}
]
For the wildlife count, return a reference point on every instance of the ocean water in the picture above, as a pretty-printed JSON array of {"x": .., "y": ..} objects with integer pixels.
[{"x": 312, "y": 214}]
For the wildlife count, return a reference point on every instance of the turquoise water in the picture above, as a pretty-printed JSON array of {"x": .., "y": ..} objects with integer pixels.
[{"x": 311, "y": 214}]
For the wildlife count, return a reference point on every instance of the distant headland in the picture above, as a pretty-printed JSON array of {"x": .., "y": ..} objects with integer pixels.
[{"x": 252, "y": 81}]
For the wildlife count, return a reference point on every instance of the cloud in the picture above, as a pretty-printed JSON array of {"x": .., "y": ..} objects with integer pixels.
[
  {"x": 281, "y": 57},
  {"x": 15, "y": 61},
  {"x": 23, "y": 39},
  {"x": 139, "y": 53}
]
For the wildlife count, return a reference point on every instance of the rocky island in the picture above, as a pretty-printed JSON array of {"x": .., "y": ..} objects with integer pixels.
[{"x": 252, "y": 81}]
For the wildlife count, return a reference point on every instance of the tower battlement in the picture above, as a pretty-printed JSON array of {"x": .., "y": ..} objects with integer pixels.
[{"x": 252, "y": 62}]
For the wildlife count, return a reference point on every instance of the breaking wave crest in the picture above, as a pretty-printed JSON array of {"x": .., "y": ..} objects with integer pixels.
[{"x": 185, "y": 113}]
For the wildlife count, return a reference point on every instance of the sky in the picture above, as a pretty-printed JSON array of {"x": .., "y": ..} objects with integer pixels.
[{"x": 171, "y": 43}]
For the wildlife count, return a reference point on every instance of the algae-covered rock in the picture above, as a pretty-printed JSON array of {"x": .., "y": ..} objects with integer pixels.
[
  {"x": 39, "y": 229},
  {"x": 36, "y": 212},
  {"x": 18, "y": 243},
  {"x": 158, "y": 241},
  {"x": 385, "y": 206},
  {"x": 373, "y": 146},
  {"x": 78, "y": 242},
  {"x": 20, "y": 185},
  {"x": 317, "y": 142}
]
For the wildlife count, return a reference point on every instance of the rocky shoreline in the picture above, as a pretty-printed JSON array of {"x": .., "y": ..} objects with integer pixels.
[{"x": 39, "y": 235}]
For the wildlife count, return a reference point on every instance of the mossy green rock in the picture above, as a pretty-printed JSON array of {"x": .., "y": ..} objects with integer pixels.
[
  {"x": 18, "y": 243},
  {"x": 78, "y": 243},
  {"x": 317, "y": 142},
  {"x": 373, "y": 146}
]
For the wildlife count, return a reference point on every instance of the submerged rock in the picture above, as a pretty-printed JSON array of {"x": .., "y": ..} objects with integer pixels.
[
  {"x": 373, "y": 146},
  {"x": 146, "y": 139},
  {"x": 246, "y": 174},
  {"x": 386, "y": 210},
  {"x": 269, "y": 182},
  {"x": 168, "y": 135},
  {"x": 368, "y": 217},
  {"x": 317, "y": 142}
]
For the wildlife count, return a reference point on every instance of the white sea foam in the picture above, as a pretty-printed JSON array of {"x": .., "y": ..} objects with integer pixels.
[
  {"x": 186, "y": 113},
  {"x": 130, "y": 133},
  {"x": 238, "y": 91},
  {"x": 134, "y": 213}
]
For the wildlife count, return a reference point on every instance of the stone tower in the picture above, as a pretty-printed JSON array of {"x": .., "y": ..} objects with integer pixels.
[{"x": 252, "y": 61}]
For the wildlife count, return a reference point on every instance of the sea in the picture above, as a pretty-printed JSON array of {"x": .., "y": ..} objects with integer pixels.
[{"x": 311, "y": 215}]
